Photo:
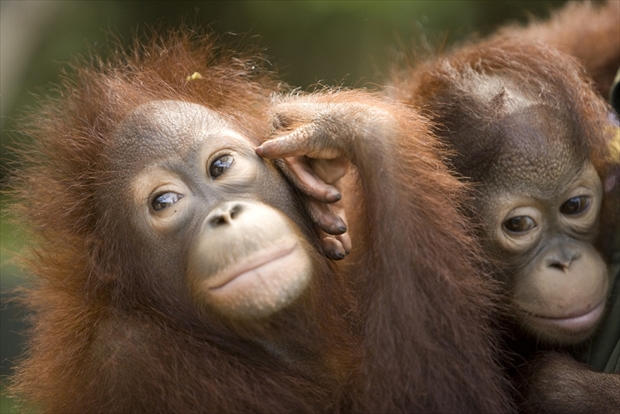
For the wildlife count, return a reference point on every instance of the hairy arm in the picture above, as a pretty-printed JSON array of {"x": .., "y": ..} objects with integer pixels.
[
  {"x": 319, "y": 135},
  {"x": 417, "y": 253},
  {"x": 560, "y": 384}
]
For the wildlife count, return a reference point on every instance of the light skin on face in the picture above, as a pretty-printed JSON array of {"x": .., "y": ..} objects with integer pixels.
[
  {"x": 213, "y": 216},
  {"x": 558, "y": 281}
]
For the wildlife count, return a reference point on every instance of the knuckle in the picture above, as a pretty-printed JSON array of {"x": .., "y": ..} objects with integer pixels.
[{"x": 281, "y": 121}]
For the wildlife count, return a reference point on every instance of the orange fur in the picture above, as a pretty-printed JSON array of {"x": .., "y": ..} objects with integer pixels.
[
  {"x": 407, "y": 328},
  {"x": 588, "y": 31},
  {"x": 454, "y": 90}
]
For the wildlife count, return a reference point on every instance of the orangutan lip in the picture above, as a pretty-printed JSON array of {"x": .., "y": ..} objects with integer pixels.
[
  {"x": 576, "y": 320},
  {"x": 252, "y": 263}
]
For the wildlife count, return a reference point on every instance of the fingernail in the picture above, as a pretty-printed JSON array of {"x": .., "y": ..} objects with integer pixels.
[
  {"x": 337, "y": 228},
  {"x": 333, "y": 196}
]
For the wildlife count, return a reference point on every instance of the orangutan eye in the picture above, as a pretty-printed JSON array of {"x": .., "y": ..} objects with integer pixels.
[
  {"x": 575, "y": 205},
  {"x": 220, "y": 165},
  {"x": 519, "y": 224},
  {"x": 165, "y": 200}
]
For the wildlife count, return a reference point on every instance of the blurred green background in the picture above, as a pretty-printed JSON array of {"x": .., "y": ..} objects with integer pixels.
[{"x": 332, "y": 42}]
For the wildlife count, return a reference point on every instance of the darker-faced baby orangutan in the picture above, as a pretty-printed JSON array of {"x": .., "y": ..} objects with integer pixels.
[
  {"x": 179, "y": 201},
  {"x": 530, "y": 132}
]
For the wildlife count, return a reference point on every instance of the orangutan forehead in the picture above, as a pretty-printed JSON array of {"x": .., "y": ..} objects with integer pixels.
[
  {"x": 162, "y": 128},
  {"x": 539, "y": 148},
  {"x": 528, "y": 171}
]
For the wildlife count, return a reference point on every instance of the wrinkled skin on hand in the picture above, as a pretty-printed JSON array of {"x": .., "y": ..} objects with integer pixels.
[
  {"x": 321, "y": 180},
  {"x": 316, "y": 164}
]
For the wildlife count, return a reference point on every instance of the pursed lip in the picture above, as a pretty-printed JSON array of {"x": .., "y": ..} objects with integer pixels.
[
  {"x": 253, "y": 262},
  {"x": 581, "y": 319}
]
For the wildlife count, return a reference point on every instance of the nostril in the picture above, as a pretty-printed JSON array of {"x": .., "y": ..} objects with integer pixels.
[
  {"x": 559, "y": 266},
  {"x": 219, "y": 220},
  {"x": 562, "y": 257},
  {"x": 224, "y": 214},
  {"x": 235, "y": 211}
]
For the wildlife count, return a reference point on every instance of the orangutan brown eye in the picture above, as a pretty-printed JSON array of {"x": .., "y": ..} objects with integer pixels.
[
  {"x": 220, "y": 165},
  {"x": 519, "y": 224},
  {"x": 575, "y": 205},
  {"x": 165, "y": 200}
]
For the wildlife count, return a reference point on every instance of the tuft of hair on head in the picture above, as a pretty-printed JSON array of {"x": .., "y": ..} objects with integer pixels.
[{"x": 62, "y": 162}]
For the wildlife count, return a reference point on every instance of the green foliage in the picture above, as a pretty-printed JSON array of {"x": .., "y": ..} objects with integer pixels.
[
  {"x": 10, "y": 243},
  {"x": 12, "y": 406}
]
